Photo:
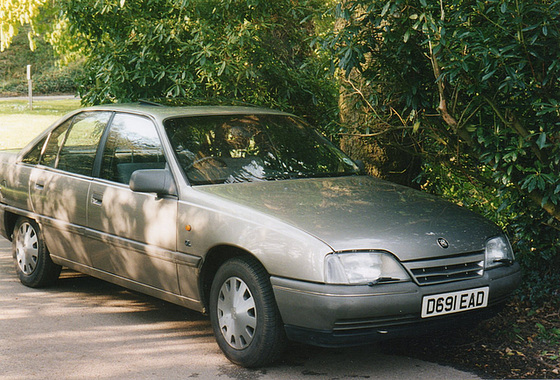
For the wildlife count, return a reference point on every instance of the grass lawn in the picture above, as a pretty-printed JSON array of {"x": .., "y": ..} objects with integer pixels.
[{"x": 19, "y": 125}]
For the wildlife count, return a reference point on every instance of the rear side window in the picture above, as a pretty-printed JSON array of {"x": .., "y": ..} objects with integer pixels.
[
  {"x": 34, "y": 155},
  {"x": 132, "y": 144},
  {"x": 81, "y": 141},
  {"x": 71, "y": 146},
  {"x": 55, "y": 140}
]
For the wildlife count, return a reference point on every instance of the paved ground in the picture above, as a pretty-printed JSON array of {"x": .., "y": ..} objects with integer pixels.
[{"x": 84, "y": 328}]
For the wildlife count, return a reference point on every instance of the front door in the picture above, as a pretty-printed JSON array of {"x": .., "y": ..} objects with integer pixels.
[{"x": 136, "y": 232}]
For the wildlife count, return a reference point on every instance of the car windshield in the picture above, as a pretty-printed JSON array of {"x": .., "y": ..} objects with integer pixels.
[{"x": 248, "y": 148}]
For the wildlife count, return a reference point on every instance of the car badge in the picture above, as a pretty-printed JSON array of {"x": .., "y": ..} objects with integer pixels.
[{"x": 443, "y": 243}]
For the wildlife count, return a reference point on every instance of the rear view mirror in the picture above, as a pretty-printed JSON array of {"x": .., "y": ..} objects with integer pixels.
[{"x": 159, "y": 181}]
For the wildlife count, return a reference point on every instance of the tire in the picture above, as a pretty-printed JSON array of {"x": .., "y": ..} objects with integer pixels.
[
  {"x": 34, "y": 266},
  {"x": 244, "y": 315}
]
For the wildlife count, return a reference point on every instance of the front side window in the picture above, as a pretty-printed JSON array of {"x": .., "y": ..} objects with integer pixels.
[
  {"x": 132, "y": 144},
  {"x": 246, "y": 148}
]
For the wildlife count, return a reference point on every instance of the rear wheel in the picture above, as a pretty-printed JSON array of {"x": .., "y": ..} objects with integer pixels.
[
  {"x": 33, "y": 262},
  {"x": 244, "y": 314}
]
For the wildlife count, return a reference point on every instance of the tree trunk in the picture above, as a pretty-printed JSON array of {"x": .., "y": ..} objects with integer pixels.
[{"x": 386, "y": 152}]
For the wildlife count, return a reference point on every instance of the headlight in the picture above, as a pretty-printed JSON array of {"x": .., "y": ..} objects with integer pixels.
[
  {"x": 357, "y": 268},
  {"x": 498, "y": 252}
]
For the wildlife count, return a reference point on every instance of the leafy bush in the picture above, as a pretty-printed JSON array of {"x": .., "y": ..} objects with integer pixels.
[
  {"x": 61, "y": 80},
  {"x": 476, "y": 86},
  {"x": 254, "y": 51},
  {"x": 533, "y": 235},
  {"x": 48, "y": 76}
]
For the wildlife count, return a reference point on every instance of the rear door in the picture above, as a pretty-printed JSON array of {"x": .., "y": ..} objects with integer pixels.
[
  {"x": 135, "y": 232},
  {"x": 59, "y": 185}
]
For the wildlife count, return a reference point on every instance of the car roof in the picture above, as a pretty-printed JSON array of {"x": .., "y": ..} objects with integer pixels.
[{"x": 162, "y": 112}]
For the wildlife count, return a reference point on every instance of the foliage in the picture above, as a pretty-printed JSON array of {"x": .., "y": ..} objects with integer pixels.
[
  {"x": 537, "y": 243},
  {"x": 255, "y": 51},
  {"x": 48, "y": 76},
  {"x": 16, "y": 13},
  {"x": 14, "y": 60},
  {"x": 476, "y": 83}
]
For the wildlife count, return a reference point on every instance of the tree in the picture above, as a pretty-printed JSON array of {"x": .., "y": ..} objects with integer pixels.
[
  {"x": 476, "y": 85},
  {"x": 479, "y": 78},
  {"x": 16, "y": 13},
  {"x": 255, "y": 51}
]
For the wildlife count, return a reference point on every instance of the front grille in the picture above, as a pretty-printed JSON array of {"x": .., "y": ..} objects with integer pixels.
[
  {"x": 357, "y": 326},
  {"x": 448, "y": 269}
]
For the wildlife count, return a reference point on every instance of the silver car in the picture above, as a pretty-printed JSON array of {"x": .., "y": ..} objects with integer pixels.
[{"x": 253, "y": 217}]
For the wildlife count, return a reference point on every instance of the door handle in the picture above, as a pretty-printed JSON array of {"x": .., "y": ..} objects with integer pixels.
[
  {"x": 97, "y": 199},
  {"x": 39, "y": 186}
]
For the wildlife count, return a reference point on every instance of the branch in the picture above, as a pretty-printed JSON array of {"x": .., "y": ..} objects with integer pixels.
[
  {"x": 442, "y": 107},
  {"x": 369, "y": 105},
  {"x": 549, "y": 207},
  {"x": 515, "y": 125},
  {"x": 359, "y": 92},
  {"x": 391, "y": 129}
]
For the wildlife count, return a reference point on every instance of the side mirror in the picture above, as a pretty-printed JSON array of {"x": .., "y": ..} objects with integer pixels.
[
  {"x": 159, "y": 181},
  {"x": 360, "y": 164}
]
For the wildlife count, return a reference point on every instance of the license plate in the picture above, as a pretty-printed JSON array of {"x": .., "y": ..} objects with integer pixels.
[{"x": 454, "y": 302}]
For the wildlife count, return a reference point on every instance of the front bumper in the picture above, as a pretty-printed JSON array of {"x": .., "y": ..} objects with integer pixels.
[{"x": 340, "y": 315}]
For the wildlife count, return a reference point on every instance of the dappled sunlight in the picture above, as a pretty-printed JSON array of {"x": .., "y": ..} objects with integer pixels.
[
  {"x": 60, "y": 198},
  {"x": 161, "y": 222},
  {"x": 86, "y": 328},
  {"x": 18, "y": 194},
  {"x": 13, "y": 313},
  {"x": 118, "y": 213},
  {"x": 140, "y": 217},
  {"x": 125, "y": 327}
]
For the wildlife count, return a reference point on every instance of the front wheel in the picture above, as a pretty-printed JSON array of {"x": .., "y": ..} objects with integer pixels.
[
  {"x": 34, "y": 266},
  {"x": 244, "y": 315}
]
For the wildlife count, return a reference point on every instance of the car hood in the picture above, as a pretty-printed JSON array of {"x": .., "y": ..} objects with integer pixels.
[{"x": 365, "y": 213}]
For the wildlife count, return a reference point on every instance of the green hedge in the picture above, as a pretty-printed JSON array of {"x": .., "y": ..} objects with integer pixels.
[
  {"x": 53, "y": 81},
  {"x": 48, "y": 76}
]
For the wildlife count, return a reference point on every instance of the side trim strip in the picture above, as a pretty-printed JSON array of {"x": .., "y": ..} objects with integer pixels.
[
  {"x": 179, "y": 258},
  {"x": 190, "y": 303}
]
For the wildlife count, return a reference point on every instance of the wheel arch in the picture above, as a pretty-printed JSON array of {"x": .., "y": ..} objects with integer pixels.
[
  {"x": 10, "y": 220},
  {"x": 215, "y": 257}
]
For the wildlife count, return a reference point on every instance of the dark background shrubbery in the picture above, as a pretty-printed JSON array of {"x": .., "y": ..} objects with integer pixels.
[{"x": 49, "y": 76}]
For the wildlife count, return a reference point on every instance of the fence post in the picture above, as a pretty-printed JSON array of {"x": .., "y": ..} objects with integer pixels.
[{"x": 30, "y": 87}]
